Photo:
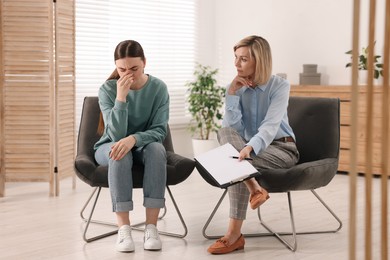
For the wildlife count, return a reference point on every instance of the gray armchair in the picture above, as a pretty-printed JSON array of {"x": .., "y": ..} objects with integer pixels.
[
  {"x": 179, "y": 168},
  {"x": 316, "y": 124}
]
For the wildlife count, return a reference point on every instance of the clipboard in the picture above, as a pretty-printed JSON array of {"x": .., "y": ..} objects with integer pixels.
[{"x": 219, "y": 169}]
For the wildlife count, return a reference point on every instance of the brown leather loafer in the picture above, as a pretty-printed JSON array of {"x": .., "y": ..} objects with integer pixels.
[
  {"x": 258, "y": 198},
  {"x": 222, "y": 246}
]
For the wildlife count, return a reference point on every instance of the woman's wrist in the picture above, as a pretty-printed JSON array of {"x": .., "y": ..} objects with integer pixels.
[
  {"x": 121, "y": 99},
  {"x": 132, "y": 140},
  {"x": 232, "y": 91}
]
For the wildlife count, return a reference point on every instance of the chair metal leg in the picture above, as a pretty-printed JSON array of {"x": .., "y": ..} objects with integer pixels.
[
  {"x": 278, "y": 235},
  {"x": 89, "y": 220},
  {"x": 331, "y": 212},
  {"x": 290, "y": 245},
  {"x": 293, "y": 246},
  {"x": 135, "y": 226},
  {"x": 212, "y": 216}
]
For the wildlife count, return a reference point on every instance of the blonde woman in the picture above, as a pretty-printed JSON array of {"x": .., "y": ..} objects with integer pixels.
[{"x": 256, "y": 124}]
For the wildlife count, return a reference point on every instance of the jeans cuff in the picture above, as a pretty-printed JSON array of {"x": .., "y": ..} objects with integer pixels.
[
  {"x": 124, "y": 206},
  {"x": 154, "y": 203}
]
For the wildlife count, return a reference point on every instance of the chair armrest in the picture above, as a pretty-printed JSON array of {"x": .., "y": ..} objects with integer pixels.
[
  {"x": 84, "y": 164},
  {"x": 181, "y": 167}
]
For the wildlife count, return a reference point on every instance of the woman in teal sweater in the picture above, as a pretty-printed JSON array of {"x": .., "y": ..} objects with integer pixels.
[{"x": 135, "y": 112}]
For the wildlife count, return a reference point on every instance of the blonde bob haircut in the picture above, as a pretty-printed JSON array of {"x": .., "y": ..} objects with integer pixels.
[{"x": 259, "y": 50}]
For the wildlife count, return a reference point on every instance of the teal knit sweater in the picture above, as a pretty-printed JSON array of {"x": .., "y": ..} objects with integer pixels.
[{"x": 144, "y": 115}]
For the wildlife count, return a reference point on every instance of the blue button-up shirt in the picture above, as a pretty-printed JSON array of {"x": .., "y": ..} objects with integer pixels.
[{"x": 260, "y": 114}]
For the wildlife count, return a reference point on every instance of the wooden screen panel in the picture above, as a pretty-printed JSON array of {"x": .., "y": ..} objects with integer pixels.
[
  {"x": 371, "y": 108},
  {"x": 28, "y": 84},
  {"x": 65, "y": 86},
  {"x": 37, "y": 65},
  {"x": 2, "y": 171}
]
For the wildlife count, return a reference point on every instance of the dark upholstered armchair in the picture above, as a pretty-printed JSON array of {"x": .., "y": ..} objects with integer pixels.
[
  {"x": 179, "y": 168},
  {"x": 316, "y": 124}
]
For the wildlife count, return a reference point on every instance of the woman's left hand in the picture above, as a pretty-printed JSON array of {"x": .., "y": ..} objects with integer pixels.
[
  {"x": 122, "y": 147},
  {"x": 245, "y": 152}
]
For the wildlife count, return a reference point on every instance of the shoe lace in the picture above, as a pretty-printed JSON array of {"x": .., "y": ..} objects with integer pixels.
[
  {"x": 151, "y": 233},
  {"x": 124, "y": 233}
]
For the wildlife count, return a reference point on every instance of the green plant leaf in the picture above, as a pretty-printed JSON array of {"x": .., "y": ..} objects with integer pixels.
[
  {"x": 205, "y": 100},
  {"x": 363, "y": 62}
]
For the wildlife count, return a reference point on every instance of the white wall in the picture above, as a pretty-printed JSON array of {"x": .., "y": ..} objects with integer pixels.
[
  {"x": 206, "y": 33},
  {"x": 299, "y": 32},
  {"x": 207, "y": 56}
]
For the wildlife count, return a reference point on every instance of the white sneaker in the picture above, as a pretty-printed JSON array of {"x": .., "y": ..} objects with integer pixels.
[
  {"x": 151, "y": 238},
  {"x": 124, "y": 242}
]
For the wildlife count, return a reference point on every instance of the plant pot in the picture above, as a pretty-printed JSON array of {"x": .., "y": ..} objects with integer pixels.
[
  {"x": 201, "y": 146},
  {"x": 362, "y": 77}
]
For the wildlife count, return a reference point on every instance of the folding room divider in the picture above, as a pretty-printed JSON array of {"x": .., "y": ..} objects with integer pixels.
[{"x": 37, "y": 86}]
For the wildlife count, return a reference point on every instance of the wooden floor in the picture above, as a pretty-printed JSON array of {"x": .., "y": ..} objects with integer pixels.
[{"x": 35, "y": 226}]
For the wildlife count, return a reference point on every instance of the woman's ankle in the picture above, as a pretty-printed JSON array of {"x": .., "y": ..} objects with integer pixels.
[
  {"x": 252, "y": 185},
  {"x": 232, "y": 236}
]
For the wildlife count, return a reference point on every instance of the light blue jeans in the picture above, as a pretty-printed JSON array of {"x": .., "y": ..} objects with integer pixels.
[{"x": 120, "y": 179}]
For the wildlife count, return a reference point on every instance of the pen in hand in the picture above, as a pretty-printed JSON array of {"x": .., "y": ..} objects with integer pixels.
[{"x": 236, "y": 157}]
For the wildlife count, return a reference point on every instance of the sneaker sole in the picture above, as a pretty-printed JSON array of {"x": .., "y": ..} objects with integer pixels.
[
  {"x": 152, "y": 249},
  {"x": 125, "y": 250}
]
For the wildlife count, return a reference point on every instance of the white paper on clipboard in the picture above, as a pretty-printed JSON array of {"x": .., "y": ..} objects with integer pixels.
[{"x": 224, "y": 169}]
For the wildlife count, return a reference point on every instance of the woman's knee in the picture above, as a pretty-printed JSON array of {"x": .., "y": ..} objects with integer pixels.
[
  {"x": 124, "y": 164},
  {"x": 155, "y": 151},
  {"x": 225, "y": 131},
  {"x": 102, "y": 154},
  {"x": 230, "y": 135}
]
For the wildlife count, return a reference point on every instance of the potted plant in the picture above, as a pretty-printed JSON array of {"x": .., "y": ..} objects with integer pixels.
[
  {"x": 205, "y": 101},
  {"x": 363, "y": 63}
]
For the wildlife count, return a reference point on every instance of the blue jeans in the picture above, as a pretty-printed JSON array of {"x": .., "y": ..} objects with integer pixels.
[{"x": 120, "y": 179}]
